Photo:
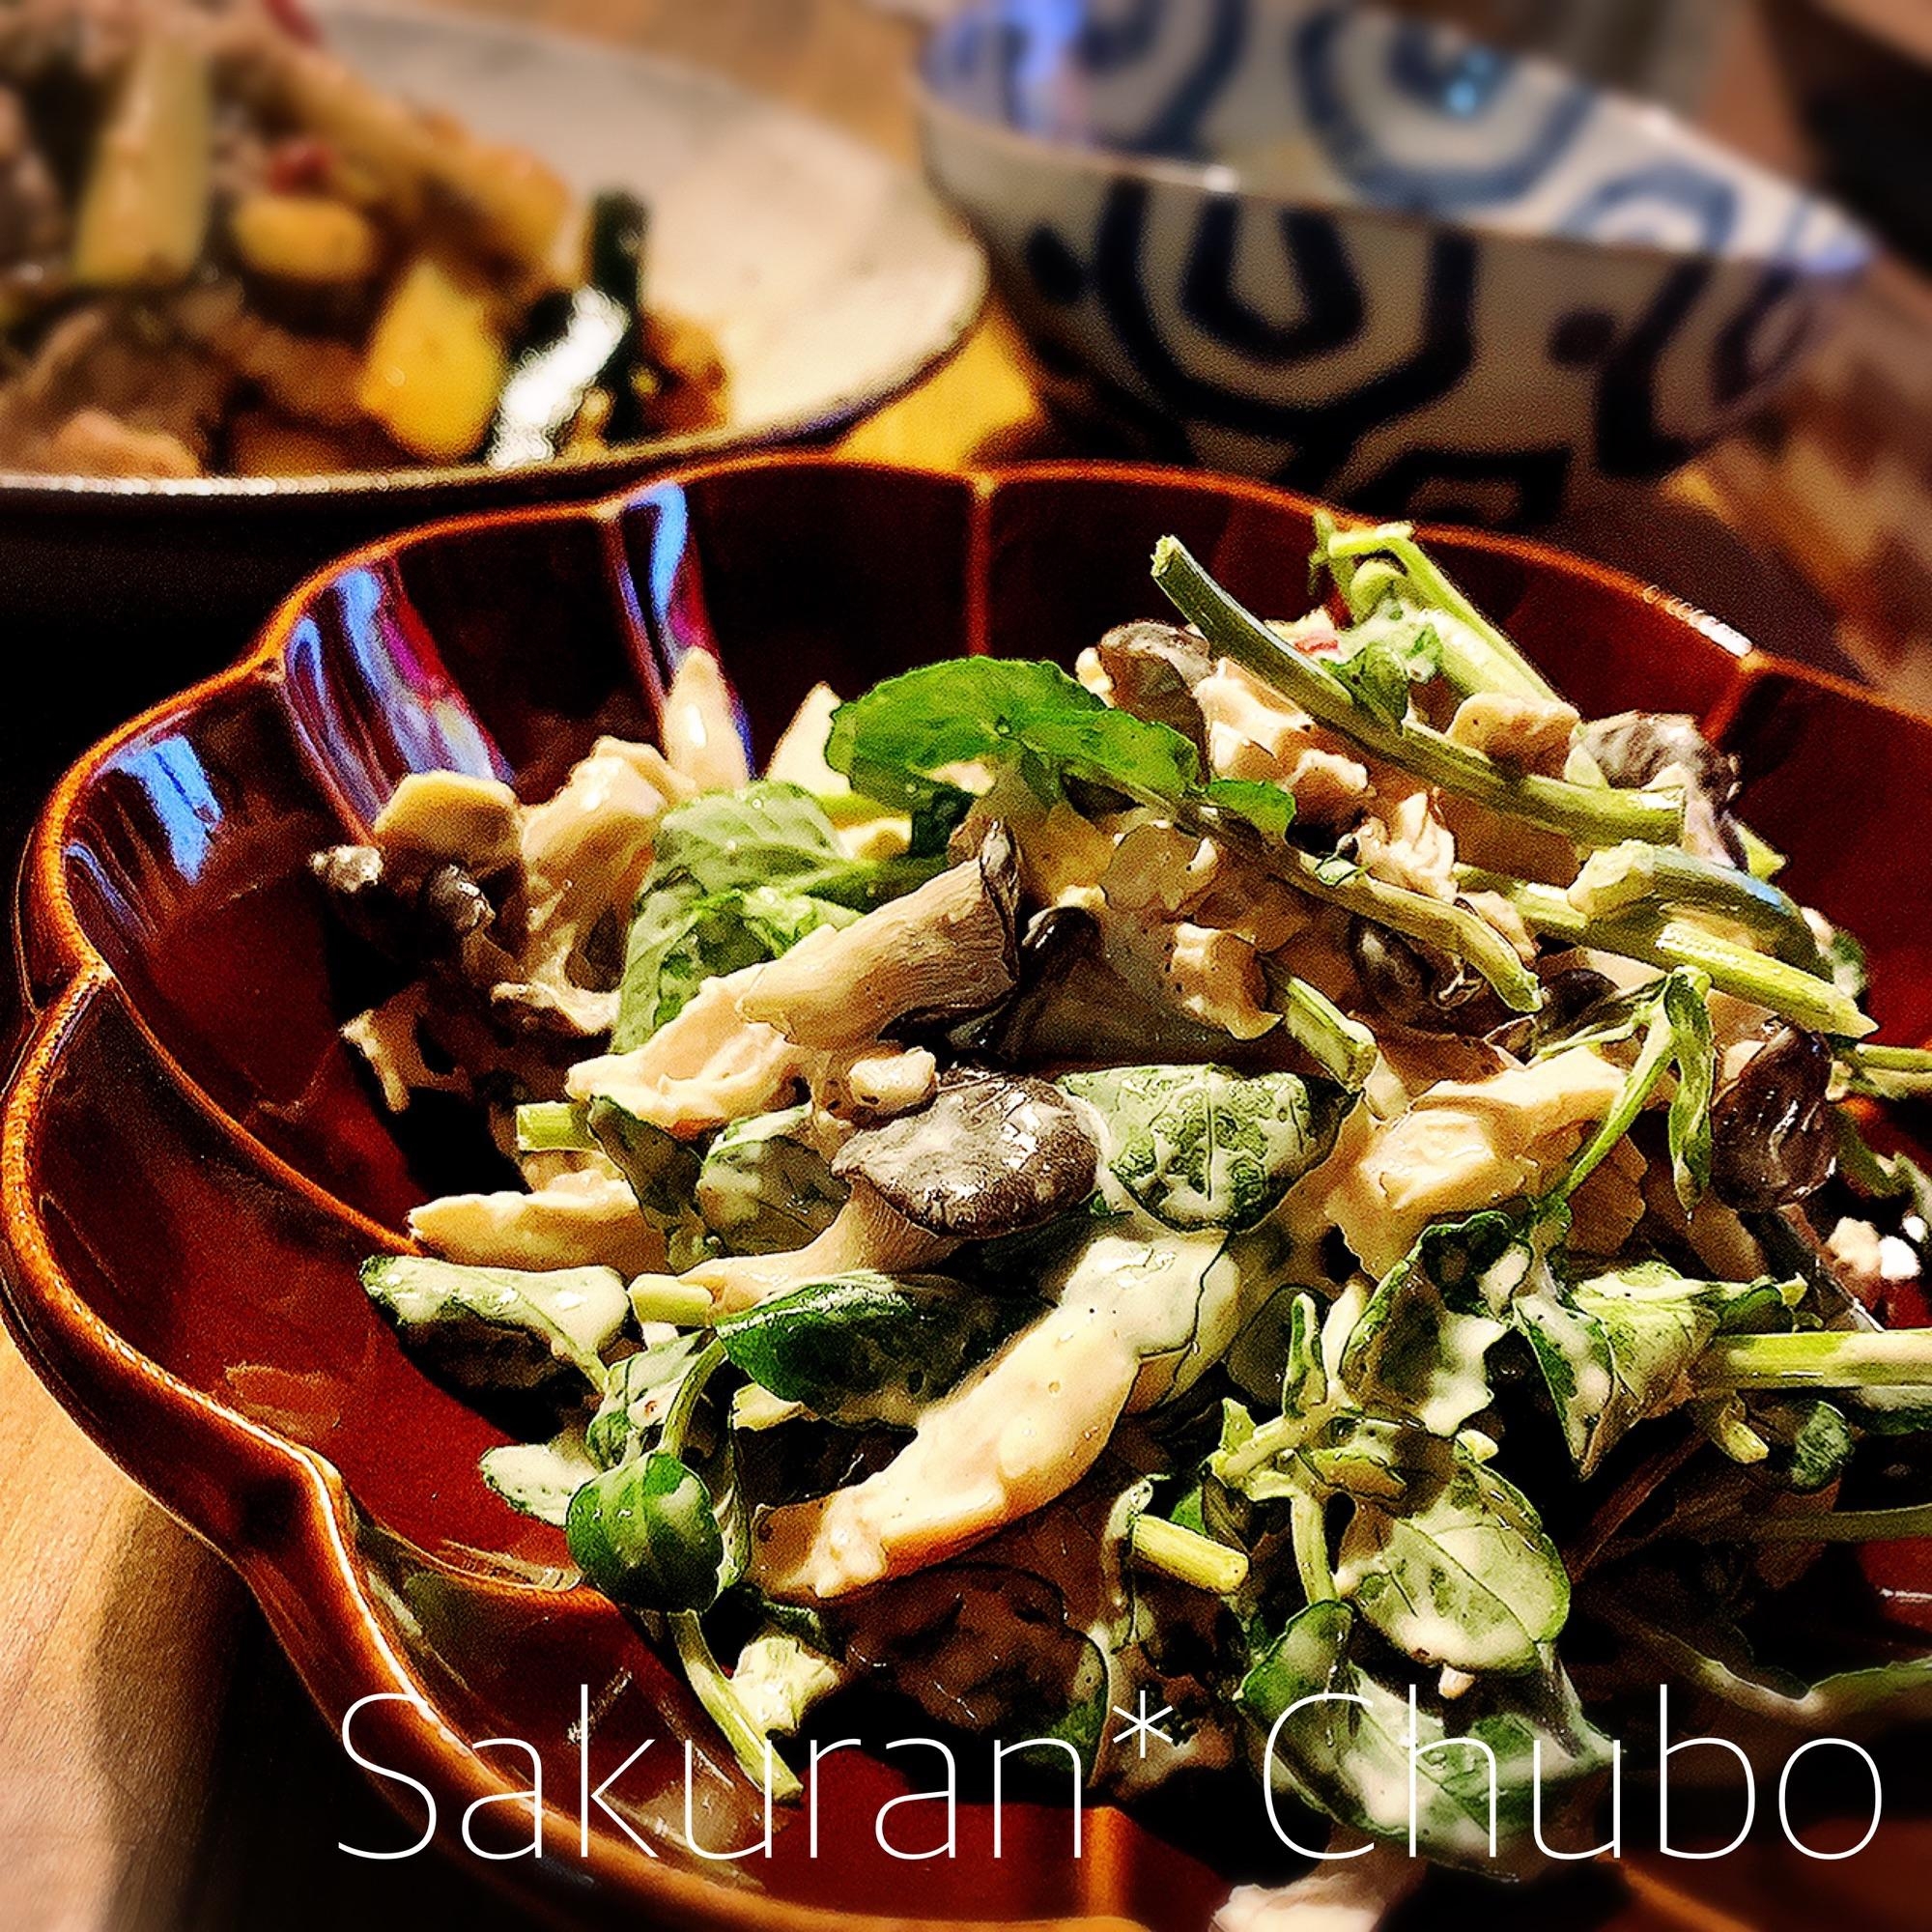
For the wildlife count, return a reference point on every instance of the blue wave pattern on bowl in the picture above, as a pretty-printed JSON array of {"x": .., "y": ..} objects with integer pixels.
[{"x": 1367, "y": 256}]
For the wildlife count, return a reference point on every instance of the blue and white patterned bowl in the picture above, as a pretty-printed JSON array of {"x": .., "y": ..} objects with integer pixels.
[{"x": 1368, "y": 257}]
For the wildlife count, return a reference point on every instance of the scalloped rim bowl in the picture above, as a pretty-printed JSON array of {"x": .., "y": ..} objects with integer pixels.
[{"x": 180, "y": 1238}]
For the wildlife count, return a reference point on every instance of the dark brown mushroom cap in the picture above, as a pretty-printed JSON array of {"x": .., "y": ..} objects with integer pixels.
[
  {"x": 1666, "y": 747},
  {"x": 1772, "y": 1138},
  {"x": 1154, "y": 668},
  {"x": 415, "y": 914},
  {"x": 990, "y": 1153}
]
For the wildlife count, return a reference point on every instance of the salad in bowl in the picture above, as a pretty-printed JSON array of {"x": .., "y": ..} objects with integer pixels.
[{"x": 1286, "y": 1185}]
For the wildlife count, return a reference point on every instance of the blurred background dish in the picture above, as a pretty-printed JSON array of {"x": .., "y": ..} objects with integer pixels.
[
  {"x": 1366, "y": 255},
  {"x": 226, "y": 251},
  {"x": 826, "y": 277}
]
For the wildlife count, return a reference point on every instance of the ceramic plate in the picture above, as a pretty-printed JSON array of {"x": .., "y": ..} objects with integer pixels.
[
  {"x": 190, "y": 1167},
  {"x": 828, "y": 274}
]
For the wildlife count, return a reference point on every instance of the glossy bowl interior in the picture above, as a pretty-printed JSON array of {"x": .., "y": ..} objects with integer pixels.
[
  {"x": 1366, "y": 256},
  {"x": 190, "y": 1167}
]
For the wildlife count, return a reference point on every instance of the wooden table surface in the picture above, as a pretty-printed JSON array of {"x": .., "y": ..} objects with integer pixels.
[{"x": 159, "y": 1767}]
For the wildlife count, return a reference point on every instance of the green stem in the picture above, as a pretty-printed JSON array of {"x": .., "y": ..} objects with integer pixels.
[
  {"x": 1888, "y": 1072},
  {"x": 1308, "y": 1529},
  {"x": 1799, "y": 997},
  {"x": 1634, "y": 877},
  {"x": 749, "y": 1745},
  {"x": 1886, "y": 1526},
  {"x": 665, "y": 1297},
  {"x": 1344, "y": 1049},
  {"x": 1196, "y": 1560},
  {"x": 1485, "y": 660},
  {"x": 1892, "y": 1059},
  {"x": 1589, "y": 815},
  {"x": 684, "y": 1404},
  {"x": 1806, "y": 1001},
  {"x": 1835, "y": 1359},
  {"x": 1639, "y": 1083},
  {"x": 553, "y": 1127},
  {"x": 1898, "y": 1689},
  {"x": 1447, "y": 926}
]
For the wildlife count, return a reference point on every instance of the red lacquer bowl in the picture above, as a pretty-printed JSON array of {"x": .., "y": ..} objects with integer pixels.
[{"x": 192, "y": 1167}]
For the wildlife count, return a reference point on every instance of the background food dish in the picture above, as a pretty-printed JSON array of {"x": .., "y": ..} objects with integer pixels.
[
  {"x": 230, "y": 252},
  {"x": 1366, "y": 257},
  {"x": 185, "y": 1075},
  {"x": 827, "y": 277}
]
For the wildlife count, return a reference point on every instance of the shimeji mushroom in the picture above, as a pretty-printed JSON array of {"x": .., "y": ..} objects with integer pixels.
[
  {"x": 1665, "y": 748},
  {"x": 945, "y": 951},
  {"x": 1152, "y": 669},
  {"x": 991, "y": 1154},
  {"x": 584, "y": 851},
  {"x": 415, "y": 911},
  {"x": 867, "y": 1234}
]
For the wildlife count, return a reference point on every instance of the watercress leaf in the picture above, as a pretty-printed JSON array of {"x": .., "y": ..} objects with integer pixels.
[
  {"x": 1414, "y": 1353},
  {"x": 1673, "y": 1019},
  {"x": 1711, "y": 1656},
  {"x": 868, "y": 1348},
  {"x": 737, "y": 877},
  {"x": 1000, "y": 710},
  {"x": 539, "y": 1478},
  {"x": 1614, "y": 1349},
  {"x": 763, "y": 1188},
  {"x": 1199, "y": 1147},
  {"x": 988, "y": 1647},
  {"x": 764, "y": 834},
  {"x": 638, "y": 1390},
  {"x": 1277, "y": 1357},
  {"x": 1382, "y": 656},
  {"x": 683, "y": 940},
  {"x": 1462, "y": 1574},
  {"x": 681, "y": 937},
  {"x": 1345, "y": 1749},
  {"x": 1420, "y": 1344},
  {"x": 661, "y": 1171},
  {"x": 1904, "y": 1411},
  {"x": 646, "y": 1534},
  {"x": 1269, "y": 808},
  {"x": 1811, "y": 1442},
  {"x": 499, "y": 1328}
]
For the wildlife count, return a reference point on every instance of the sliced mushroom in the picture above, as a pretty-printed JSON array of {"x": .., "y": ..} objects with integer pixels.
[
  {"x": 1653, "y": 748},
  {"x": 939, "y": 954},
  {"x": 585, "y": 852},
  {"x": 1151, "y": 670},
  {"x": 991, "y": 1154},
  {"x": 438, "y": 815},
  {"x": 1773, "y": 1141}
]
